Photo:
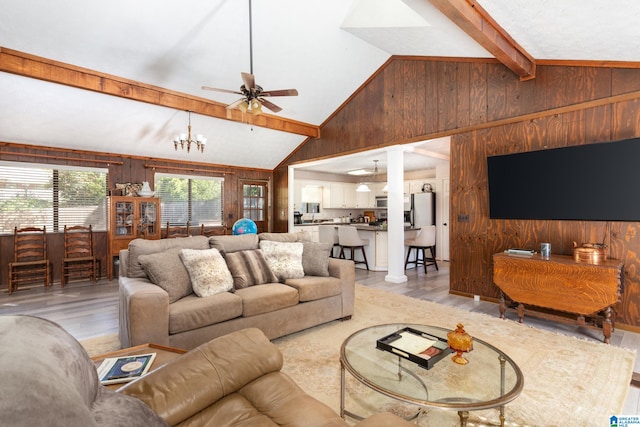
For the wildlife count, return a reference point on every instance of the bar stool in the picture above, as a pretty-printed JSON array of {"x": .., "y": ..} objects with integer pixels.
[
  {"x": 329, "y": 234},
  {"x": 426, "y": 238},
  {"x": 348, "y": 238}
]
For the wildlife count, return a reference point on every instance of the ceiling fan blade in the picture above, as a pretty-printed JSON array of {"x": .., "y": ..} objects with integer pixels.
[
  {"x": 221, "y": 90},
  {"x": 248, "y": 80},
  {"x": 281, "y": 92},
  {"x": 270, "y": 105},
  {"x": 235, "y": 104}
]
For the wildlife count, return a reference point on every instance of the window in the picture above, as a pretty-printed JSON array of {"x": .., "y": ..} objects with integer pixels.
[
  {"x": 196, "y": 200},
  {"x": 34, "y": 195}
]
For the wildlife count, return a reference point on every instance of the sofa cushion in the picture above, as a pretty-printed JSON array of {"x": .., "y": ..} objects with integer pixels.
[
  {"x": 166, "y": 270},
  {"x": 300, "y": 236},
  {"x": 139, "y": 247},
  {"x": 193, "y": 312},
  {"x": 284, "y": 258},
  {"x": 249, "y": 268},
  {"x": 311, "y": 288},
  {"x": 315, "y": 258},
  {"x": 229, "y": 244},
  {"x": 266, "y": 298},
  {"x": 208, "y": 271}
]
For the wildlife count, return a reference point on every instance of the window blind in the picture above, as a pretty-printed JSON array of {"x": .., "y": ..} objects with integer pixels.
[
  {"x": 190, "y": 199},
  {"x": 33, "y": 195}
]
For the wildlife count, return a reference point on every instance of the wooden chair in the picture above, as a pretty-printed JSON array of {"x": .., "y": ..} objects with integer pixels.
[
  {"x": 30, "y": 262},
  {"x": 78, "y": 261},
  {"x": 329, "y": 234},
  {"x": 177, "y": 231},
  {"x": 425, "y": 239},
  {"x": 211, "y": 231},
  {"x": 348, "y": 239}
]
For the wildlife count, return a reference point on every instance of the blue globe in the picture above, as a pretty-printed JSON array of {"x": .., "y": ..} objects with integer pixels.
[{"x": 244, "y": 226}]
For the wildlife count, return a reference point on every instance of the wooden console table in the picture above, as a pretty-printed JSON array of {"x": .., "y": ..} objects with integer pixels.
[{"x": 560, "y": 284}]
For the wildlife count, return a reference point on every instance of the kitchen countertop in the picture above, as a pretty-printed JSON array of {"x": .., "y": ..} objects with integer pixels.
[{"x": 358, "y": 225}]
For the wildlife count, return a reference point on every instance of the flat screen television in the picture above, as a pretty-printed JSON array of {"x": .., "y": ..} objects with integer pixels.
[{"x": 594, "y": 182}]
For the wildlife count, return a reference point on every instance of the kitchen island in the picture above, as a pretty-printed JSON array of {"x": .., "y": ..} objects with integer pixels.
[{"x": 376, "y": 250}]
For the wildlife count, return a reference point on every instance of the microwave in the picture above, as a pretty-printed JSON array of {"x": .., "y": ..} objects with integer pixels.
[{"x": 381, "y": 203}]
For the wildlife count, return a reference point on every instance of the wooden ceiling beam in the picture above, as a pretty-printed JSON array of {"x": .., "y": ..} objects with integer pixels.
[
  {"x": 23, "y": 64},
  {"x": 477, "y": 23}
]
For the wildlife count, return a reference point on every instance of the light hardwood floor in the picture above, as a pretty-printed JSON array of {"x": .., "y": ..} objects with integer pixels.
[{"x": 87, "y": 310}]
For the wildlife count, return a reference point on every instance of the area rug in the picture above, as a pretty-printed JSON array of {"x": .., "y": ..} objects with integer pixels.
[{"x": 567, "y": 381}]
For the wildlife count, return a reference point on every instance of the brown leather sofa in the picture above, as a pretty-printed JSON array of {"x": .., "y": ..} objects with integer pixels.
[
  {"x": 48, "y": 380},
  {"x": 236, "y": 380}
]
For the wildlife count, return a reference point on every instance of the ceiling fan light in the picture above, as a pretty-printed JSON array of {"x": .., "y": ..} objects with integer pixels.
[
  {"x": 363, "y": 188},
  {"x": 243, "y": 106},
  {"x": 256, "y": 106}
]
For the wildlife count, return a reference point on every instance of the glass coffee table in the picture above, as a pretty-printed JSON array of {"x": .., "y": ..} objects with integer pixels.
[{"x": 490, "y": 379}]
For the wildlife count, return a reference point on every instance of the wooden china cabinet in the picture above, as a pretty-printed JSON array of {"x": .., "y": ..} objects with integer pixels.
[{"x": 130, "y": 218}]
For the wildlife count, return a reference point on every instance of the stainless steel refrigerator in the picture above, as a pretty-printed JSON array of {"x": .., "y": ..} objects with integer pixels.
[{"x": 423, "y": 209}]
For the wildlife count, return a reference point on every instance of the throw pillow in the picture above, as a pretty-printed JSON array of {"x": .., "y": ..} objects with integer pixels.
[
  {"x": 249, "y": 268},
  {"x": 315, "y": 258},
  {"x": 166, "y": 270},
  {"x": 208, "y": 271},
  {"x": 284, "y": 258}
]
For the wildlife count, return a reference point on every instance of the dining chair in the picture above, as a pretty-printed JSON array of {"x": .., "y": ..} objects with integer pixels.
[
  {"x": 177, "y": 231},
  {"x": 30, "y": 262},
  {"x": 329, "y": 234},
  {"x": 348, "y": 239},
  {"x": 425, "y": 239},
  {"x": 79, "y": 260}
]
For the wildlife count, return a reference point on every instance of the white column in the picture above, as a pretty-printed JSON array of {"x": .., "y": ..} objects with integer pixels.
[
  {"x": 395, "y": 213},
  {"x": 290, "y": 201}
]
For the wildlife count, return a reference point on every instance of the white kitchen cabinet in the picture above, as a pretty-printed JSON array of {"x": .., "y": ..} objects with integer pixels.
[
  {"x": 382, "y": 252},
  {"x": 313, "y": 231},
  {"x": 365, "y": 199},
  {"x": 336, "y": 195},
  {"x": 349, "y": 196},
  {"x": 341, "y": 195},
  {"x": 311, "y": 193}
]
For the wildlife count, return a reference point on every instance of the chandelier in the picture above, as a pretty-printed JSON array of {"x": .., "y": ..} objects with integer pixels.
[{"x": 185, "y": 139}]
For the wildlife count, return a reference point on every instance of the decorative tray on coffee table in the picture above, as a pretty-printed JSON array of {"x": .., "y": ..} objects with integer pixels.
[{"x": 416, "y": 346}]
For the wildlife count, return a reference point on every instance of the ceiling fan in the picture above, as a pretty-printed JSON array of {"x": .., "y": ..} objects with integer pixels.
[{"x": 253, "y": 96}]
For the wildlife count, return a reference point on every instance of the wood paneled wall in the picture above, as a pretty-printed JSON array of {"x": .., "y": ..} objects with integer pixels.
[
  {"x": 121, "y": 169},
  {"x": 489, "y": 111}
]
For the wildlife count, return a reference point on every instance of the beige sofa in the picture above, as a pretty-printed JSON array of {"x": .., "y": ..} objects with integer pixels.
[{"x": 156, "y": 313}]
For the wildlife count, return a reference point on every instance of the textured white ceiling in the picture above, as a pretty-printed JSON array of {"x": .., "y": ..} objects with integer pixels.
[{"x": 324, "y": 48}]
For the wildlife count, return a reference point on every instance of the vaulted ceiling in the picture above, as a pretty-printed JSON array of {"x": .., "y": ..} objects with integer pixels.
[{"x": 134, "y": 54}]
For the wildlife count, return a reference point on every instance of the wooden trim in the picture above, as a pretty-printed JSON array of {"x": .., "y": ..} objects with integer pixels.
[
  {"x": 477, "y": 23},
  {"x": 589, "y": 63},
  {"x": 148, "y": 166},
  {"x": 546, "y": 62},
  {"x": 23, "y": 64},
  {"x": 25, "y": 155},
  {"x": 73, "y": 159}
]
